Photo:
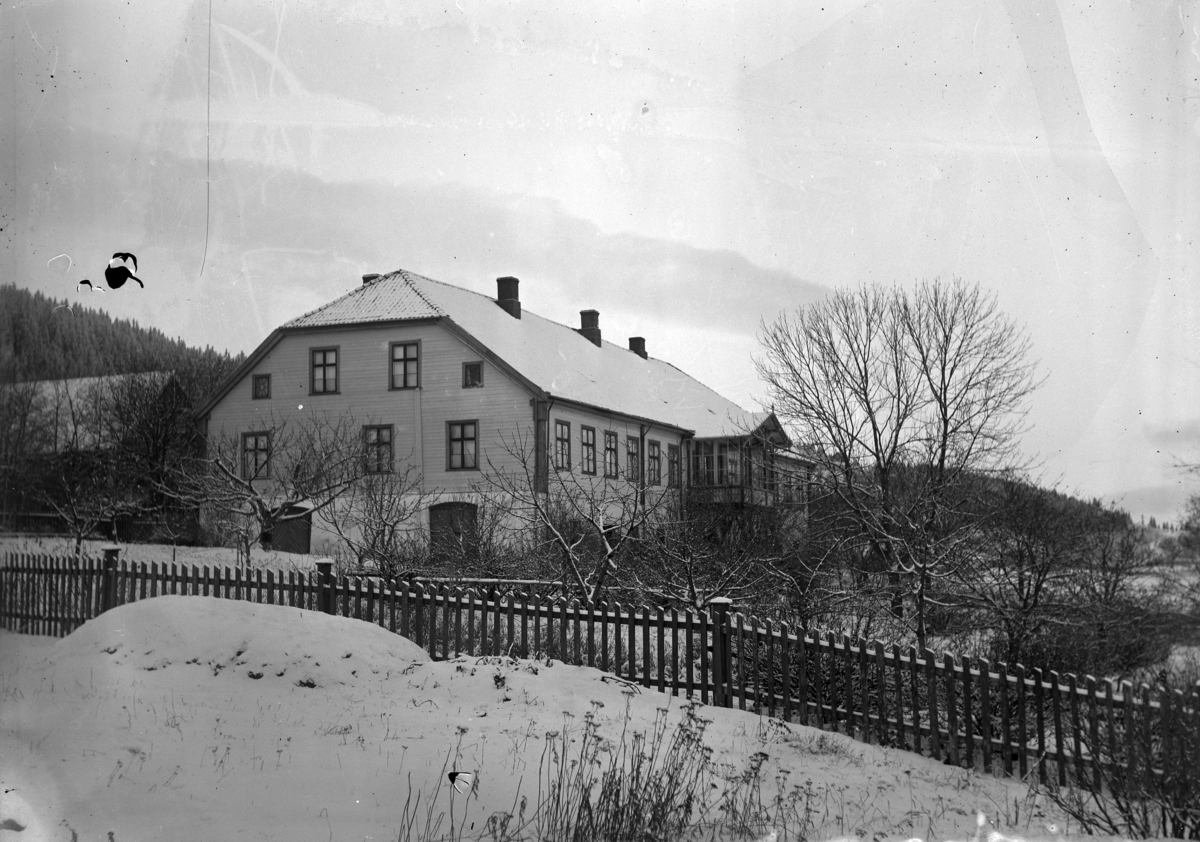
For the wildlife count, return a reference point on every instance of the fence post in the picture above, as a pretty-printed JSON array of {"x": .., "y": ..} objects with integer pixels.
[
  {"x": 108, "y": 593},
  {"x": 325, "y": 577},
  {"x": 719, "y": 609}
]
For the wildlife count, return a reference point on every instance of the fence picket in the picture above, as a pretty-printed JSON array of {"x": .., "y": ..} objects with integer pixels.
[
  {"x": 646, "y": 646},
  {"x": 881, "y": 691},
  {"x": 967, "y": 718},
  {"x": 471, "y": 621},
  {"x": 1039, "y": 701},
  {"x": 1076, "y": 736},
  {"x": 434, "y": 595},
  {"x": 770, "y": 644},
  {"x": 1093, "y": 731},
  {"x": 985, "y": 711},
  {"x": 785, "y": 668},
  {"x": 1022, "y": 722},
  {"x": 864, "y": 691},
  {"x": 1146, "y": 720},
  {"x": 662, "y": 660},
  {"x": 818, "y": 684},
  {"x": 898, "y": 677},
  {"x": 755, "y": 670},
  {"x": 802, "y": 673},
  {"x": 1130, "y": 737},
  {"x": 935, "y": 736},
  {"x": 497, "y": 641},
  {"x": 951, "y": 708},
  {"x": 1056, "y": 710}
]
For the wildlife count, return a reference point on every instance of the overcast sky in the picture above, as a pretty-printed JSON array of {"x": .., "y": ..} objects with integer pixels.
[{"x": 688, "y": 169}]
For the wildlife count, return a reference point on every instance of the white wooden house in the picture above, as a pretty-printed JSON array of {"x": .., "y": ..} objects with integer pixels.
[{"x": 444, "y": 377}]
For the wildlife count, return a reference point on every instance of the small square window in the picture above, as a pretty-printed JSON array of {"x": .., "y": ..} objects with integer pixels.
[
  {"x": 262, "y": 386},
  {"x": 472, "y": 375}
]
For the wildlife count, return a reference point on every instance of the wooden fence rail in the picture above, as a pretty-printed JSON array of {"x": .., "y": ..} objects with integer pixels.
[{"x": 963, "y": 712}]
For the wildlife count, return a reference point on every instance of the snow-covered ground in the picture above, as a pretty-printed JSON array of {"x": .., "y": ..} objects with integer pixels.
[{"x": 193, "y": 718}]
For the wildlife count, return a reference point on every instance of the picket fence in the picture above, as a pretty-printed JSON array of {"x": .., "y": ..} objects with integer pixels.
[{"x": 964, "y": 712}]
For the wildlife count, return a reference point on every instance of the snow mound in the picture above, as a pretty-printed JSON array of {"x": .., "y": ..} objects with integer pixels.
[{"x": 242, "y": 640}]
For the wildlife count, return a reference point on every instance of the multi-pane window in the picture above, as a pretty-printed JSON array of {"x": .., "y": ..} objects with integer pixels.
[
  {"x": 462, "y": 437},
  {"x": 262, "y": 386},
  {"x": 324, "y": 371},
  {"x": 610, "y": 453},
  {"x": 587, "y": 441},
  {"x": 472, "y": 375},
  {"x": 377, "y": 448},
  {"x": 702, "y": 463},
  {"x": 256, "y": 455},
  {"x": 653, "y": 463},
  {"x": 673, "y": 465},
  {"x": 722, "y": 460},
  {"x": 734, "y": 468},
  {"x": 633, "y": 457},
  {"x": 406, "y": 365},
  {"x": 562, "y": 445}
]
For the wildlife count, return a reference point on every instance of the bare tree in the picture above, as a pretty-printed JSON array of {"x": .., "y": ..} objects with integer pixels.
[
  {"x": 1016, "y": 583},
  {"x": 247, "y": 485},
  {"x": 373, "y": 515},
  {"x": 1124, "y": 619},
  {"x": 712, "y": 551},
  {"x": 79, "y": 474},
  {"x": 591, "y": 522},
  {"x": 24, "y": 435},
  {"x": 902, "y": 397}
]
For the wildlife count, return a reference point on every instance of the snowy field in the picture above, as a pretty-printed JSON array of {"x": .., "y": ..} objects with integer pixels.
[{"x": 193, "y": 718}]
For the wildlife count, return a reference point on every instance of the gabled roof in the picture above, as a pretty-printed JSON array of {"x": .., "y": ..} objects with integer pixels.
[{"x": 550, "y": 357}]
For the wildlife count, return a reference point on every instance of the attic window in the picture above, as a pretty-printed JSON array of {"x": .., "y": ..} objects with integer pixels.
[
  {"x": 472, "y": 375},
  {"x": 262, "y": 386}
]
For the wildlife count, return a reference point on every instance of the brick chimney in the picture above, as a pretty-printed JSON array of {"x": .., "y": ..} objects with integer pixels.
[
  {"x": 506, "y": 296},
  {"x": 637, "y": 344},
  {"x": 589, "y": 326},
  {"x": 373, "y": 276}
]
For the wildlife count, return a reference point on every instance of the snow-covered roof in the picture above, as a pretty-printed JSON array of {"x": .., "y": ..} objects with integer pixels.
[{"x": 555, "y": 358}]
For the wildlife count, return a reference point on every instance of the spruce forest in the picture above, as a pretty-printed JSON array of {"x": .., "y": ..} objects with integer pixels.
[{"x": 40, "y": 342}]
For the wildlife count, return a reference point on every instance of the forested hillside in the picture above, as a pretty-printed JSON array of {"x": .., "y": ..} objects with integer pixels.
[{"x": 38, "y": 342}]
